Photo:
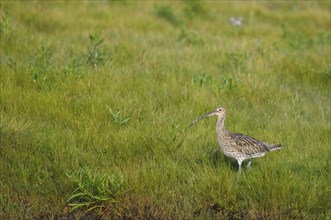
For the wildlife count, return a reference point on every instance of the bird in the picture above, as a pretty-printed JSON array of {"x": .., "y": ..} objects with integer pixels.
[
  {"x": 235, "y": 145},
  {"x": 236, "y": 21}
]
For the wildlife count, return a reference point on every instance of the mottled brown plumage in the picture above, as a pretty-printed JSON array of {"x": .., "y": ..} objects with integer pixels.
[{"x": 238, "y": 146}]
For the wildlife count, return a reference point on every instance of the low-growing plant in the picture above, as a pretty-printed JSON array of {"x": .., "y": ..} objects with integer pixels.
[
  {"x": 177, "y": 135},
  {"x": 296, "y": 40},
  {"x": 202, "y": 79},
  {"x": 167, "y": 13},
  {"x": 6, "y": 20},
  {"x": 190, "y": 37},
  {"x": 73, "y": 69},
  {"x": 176, "y": 138},
  {"x": 40, "y": 66},
  {"x": 94, "y": 191},
  {"x": 118, "y": 117},
  {"x": 228, "y": 83},
  {"x": 194, "y": 8},
  {"x": 95, "y": 54},
  {"x": 12, "y": 63}
]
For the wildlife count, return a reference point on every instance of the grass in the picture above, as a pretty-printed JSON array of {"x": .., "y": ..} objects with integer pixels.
[
  {"x": 110, "y": 88},
  {"x": 94, "y": 192}
]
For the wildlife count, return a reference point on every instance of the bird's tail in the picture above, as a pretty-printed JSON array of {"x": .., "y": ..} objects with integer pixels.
[{"x": 275, "y": 147}]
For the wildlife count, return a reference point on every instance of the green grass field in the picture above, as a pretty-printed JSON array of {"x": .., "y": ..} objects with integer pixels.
[{"x": 96, "y": 99}]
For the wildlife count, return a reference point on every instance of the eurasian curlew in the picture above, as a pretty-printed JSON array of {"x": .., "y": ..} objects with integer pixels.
[{"x": 238, "y": 146}]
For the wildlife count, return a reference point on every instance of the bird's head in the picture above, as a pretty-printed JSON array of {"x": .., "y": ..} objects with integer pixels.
[{"x": 220, "y": 112}]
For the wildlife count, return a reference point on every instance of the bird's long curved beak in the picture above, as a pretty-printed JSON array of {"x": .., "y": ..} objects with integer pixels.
[{"x": 202, "y": 117}]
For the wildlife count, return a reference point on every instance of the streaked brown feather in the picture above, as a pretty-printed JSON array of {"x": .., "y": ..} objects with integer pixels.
[{"x": 248, "y": 145}]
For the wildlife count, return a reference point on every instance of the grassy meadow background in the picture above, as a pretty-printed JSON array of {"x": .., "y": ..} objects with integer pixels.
[{"x": 96, "y": 99}]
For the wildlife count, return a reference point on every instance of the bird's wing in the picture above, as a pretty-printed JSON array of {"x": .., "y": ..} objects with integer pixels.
[{"x": 248, "y": 145}]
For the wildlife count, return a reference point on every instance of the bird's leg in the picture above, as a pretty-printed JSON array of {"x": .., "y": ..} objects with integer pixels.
[
  {"x": 239, "y": 163},
  {"x": 249, "y": 163}
]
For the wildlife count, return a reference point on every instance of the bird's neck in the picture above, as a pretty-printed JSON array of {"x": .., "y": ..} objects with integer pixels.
[{"x": 220, "y": 124}]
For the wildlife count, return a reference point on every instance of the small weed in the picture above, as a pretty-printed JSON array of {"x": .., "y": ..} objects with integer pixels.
[
  {"x": 166, "y": 12},
  {"x": 176, "y": 137},
  {"x": 123, "y": 2},
  {"x": 12, "y": 63},
  {"x": 40, "y": 66},
  {"x": 190, "y": 37},
  {"x": 94, "y": 192},
  {"x": 6, "y": 20},
  {"x": 118, "y": 117},
  {"x": 228, "y": 83},
  {"x": 236, "y": 59},
  {"x": 327, "y": 72},
  {"x": 95, "y": 55},
  {"x": 296, "y": 40},
  {"x": 43, "y": 59},
  {"x": 194, "y": 8},
  {"x": 234, "y": 62},
  {"x": 202, "y": 79},
  {"x": 73, "y": 69}
]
